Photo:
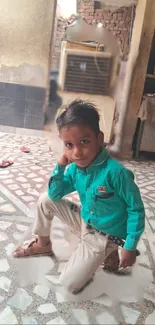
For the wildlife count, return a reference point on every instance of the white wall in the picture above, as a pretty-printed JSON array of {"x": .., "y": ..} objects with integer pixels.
[{"x": 26, "y": 27}]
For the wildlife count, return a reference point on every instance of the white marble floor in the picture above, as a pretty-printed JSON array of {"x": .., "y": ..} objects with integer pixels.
[{"x": 29, "y": 288}]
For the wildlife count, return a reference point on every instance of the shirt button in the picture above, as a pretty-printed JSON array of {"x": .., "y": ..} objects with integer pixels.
[{"x": 91, "y": 212}]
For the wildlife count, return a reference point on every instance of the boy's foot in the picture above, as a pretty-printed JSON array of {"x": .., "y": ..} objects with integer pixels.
[{"x": 32, "y": 248}]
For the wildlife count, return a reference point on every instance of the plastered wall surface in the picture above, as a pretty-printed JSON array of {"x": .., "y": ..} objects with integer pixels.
[{"x": 26, "y": 28}]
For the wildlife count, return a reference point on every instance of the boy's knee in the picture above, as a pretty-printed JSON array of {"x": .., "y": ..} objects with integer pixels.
[
  {"x": 43, "y": 197},
  {"x": 44, "y": 200},
  {"x": 48, "y": 206}
]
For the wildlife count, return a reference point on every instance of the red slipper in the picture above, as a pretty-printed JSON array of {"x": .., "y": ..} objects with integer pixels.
[
  {"x": 25, "y": 149},
  {"x": 5, "y": 163}
]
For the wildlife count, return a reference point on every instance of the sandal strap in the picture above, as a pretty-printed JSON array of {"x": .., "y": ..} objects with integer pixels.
[{"x": 33, "y": 241}]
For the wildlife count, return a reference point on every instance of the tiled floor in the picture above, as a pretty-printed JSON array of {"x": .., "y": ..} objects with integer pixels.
[{"x": 26, "y": 295}]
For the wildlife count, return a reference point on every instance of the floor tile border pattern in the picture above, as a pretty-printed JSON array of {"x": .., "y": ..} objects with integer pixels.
[{"x": 27, "y": 211}]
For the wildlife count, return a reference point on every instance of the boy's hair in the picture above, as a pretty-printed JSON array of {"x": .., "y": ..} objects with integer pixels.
[{"x": 79, "y": 112}]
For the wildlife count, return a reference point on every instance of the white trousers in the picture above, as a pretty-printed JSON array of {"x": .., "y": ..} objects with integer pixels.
[{"x": 92, "y": 249}]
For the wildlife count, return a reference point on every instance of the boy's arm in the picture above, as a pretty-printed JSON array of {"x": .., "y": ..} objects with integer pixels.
[
  {"x": 129, "y": 192},
  {"x": 60, "y": 183}
]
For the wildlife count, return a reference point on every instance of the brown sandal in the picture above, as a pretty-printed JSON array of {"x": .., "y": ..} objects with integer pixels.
[
  {"x": 111, "y": 263},
  {"x": 32, "y": 248}
]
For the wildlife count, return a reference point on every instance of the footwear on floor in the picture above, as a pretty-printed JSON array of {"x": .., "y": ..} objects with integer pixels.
[
  {"x": 111, "y": 263},
  {"x": 25, "y": 149},
  {"x": 5, "y": 163},
  {"x": 32, "y": 248}
]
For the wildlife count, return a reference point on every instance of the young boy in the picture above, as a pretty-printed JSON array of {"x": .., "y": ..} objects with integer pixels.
[{"x": 111, "y": 210}]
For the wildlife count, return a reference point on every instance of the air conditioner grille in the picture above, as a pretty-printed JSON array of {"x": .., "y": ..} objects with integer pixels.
[{"x": 87, "y": 74}]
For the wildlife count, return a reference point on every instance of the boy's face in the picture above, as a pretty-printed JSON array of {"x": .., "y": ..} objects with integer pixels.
[{"x": 81, "y": 144}]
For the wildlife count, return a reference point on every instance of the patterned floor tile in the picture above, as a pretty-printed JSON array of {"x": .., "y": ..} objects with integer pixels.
[
  {"x": 5, "y": 283},
  {"x": 21, "y": 300},
  {"x": 7, "y": 208},
  {"x": 25, "y": 298},
  {"x": 4, "y": 225},
  {"x": 41, "y": 291},
  {"x": 28, "y": 198},
  {"x": 47, "y": 309},
  {"x": 150, "y": 319},
  {"x": 8, "y": 317},
  {"x": 150, "y": 297},
  {"x": 58, "y": 321},
  {"x": 3, "y": 236},
  {"x": 21, "y": 227},
  {"x": 105, "y": 318},
  {"x": 9, "y": 248},
  {"x": 4, "y": 266},
  {"x": 131, "y": 316},
  {"x": 29, "y": 320},
  {"x": 1, "y": 200},
  {"x": 1, "y": 299}
]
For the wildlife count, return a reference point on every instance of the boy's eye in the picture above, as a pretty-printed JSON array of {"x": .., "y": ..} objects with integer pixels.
[
  {"x": 84, "y": 141},
  {"x": 68, "y": 145}
]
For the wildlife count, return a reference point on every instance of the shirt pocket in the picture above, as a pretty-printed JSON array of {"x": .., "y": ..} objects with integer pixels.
[
  {"x": 105, "y": 204},
  {"x": 104, "y": 196}
]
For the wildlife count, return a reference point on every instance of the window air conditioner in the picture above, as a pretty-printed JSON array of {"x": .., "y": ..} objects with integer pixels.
[{"x": 85, "y": 71}]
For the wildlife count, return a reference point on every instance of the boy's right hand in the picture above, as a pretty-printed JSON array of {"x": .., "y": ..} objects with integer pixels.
[{"x": 63, "y": 161}]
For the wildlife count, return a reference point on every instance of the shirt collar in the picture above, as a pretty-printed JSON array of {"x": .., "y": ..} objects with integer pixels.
[{"x": 99, "y": 160}]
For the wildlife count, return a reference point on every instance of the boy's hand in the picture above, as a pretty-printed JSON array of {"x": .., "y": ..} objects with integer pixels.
[
  {"x": 63, "y": 161},
  {"x": 128, "y": 258}
]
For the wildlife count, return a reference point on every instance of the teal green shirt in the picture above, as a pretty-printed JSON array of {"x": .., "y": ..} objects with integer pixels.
[{"x": 110, "y": 199}]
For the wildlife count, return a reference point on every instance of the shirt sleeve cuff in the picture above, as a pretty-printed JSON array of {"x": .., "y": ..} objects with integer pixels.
[
  {"x": 58, "y": 170},
  {"x": 131, "y": 243}
]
